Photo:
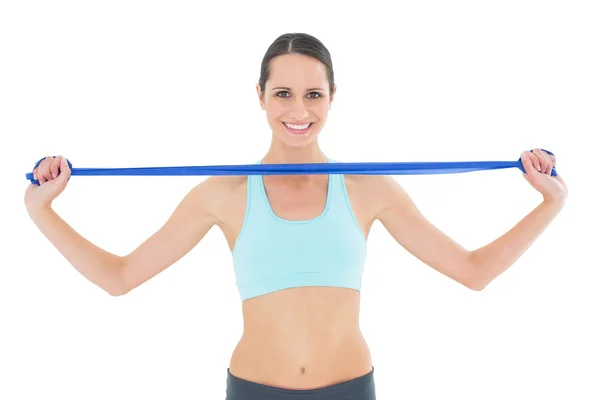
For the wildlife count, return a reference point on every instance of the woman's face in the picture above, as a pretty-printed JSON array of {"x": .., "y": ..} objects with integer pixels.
[{"x": 296, "y": 95}]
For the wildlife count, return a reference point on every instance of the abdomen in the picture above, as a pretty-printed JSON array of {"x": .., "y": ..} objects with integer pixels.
[{"x": 302, "y": 338}]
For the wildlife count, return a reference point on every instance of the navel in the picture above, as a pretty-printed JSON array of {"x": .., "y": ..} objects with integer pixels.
[{"x": 302, "y": 370}]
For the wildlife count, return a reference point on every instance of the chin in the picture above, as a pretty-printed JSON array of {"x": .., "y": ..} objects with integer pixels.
[{"x": 296, "y": 141}]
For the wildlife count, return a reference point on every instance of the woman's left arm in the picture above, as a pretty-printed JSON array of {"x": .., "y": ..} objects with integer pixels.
[
  {"x": 495, "y": 258},
  {"x": 474, "y": 269}
]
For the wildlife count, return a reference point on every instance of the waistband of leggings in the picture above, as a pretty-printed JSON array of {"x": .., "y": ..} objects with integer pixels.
[{"x": 352, "y": 386}]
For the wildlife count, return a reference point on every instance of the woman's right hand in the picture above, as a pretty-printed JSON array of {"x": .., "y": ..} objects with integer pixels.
[{"x": 53, "y": 175}]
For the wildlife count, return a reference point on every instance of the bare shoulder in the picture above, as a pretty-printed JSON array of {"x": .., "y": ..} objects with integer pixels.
[
  {"x": 221, "y": 186},
  {"x": 377, "y": 192},
  {"x": 224, "y": 193}
]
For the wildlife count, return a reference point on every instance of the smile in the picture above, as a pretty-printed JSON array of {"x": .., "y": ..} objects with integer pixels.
[{"x": 297, "y": 129}]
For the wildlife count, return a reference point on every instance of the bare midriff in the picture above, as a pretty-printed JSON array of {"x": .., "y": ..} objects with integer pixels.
[{"x": 302, "y": 338}]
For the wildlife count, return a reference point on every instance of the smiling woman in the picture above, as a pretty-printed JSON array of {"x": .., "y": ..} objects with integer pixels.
[
  {"x": 298, "y": 242},
  {"x": 298, "y": 247}
]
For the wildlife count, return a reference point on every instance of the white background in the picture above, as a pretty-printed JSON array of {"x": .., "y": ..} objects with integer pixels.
[{"x": 125, "y": 83}]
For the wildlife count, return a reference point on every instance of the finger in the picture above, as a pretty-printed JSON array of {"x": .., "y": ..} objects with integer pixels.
[
  {"x": 545, "y": 163},
  {"x": 542, "y": 160},
  {"x": 550, "y": 163},
  {"x": 55, "y": 165},
  {"x": 533, "y": 160},
  {"x": 44, "y": 169},
  {"x": 38, "y": 172},
  {"x": 549, "y": 168},
  {"x": 47, "y": 166},
  {"x": 553, "y": 161},
  {"x": 528, "y": 163}
]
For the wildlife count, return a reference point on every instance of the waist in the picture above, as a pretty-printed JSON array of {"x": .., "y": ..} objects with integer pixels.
[
  {"x": 301, "y": 363},
  {"x": 302, "y": 338}
]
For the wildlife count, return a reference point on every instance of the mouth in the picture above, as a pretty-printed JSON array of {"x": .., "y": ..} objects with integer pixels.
[{"x": 296, "y": 129}]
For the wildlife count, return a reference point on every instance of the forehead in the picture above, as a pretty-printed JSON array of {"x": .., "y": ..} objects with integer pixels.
[{"x": 295, "y": 70}]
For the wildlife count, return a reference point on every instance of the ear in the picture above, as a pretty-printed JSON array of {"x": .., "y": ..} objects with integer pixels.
[
  {"x": 260, "y": 97},
  {"x": 332, "y": 95}
]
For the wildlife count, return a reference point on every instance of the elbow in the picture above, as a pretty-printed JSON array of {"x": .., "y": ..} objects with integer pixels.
[
  {"x": 115, "y": 291},
  {"x": 477, "y": 286},
  {"x": 116, "y": 287},
  {"x": 474, "y": 284},
  {"x": 475, "y": 281}
]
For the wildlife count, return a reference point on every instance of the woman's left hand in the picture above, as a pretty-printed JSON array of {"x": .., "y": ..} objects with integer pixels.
[{"x": 538, "y": 165}]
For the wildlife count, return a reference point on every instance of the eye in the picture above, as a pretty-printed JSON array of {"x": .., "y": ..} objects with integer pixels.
[{"x": 311, "y": 95}]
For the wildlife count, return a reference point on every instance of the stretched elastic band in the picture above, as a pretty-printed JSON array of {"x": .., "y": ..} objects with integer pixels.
[{"x": 365, "y": 168}]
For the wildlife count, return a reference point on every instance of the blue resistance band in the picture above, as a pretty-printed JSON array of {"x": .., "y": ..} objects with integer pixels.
[{"x": 364, "y": 168}]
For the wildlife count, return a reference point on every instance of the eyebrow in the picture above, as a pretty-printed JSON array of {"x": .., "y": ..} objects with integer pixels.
[{"x": 286, "y": 88}]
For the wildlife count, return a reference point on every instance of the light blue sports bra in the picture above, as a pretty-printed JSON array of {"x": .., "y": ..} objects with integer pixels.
[{"x": 272, "y": 253}]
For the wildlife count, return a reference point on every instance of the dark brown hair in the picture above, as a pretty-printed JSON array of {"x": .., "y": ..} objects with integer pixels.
[{"x": 296, "y": 43}]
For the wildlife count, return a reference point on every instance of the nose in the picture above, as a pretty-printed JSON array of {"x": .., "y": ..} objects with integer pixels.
[{"x": 298, "y": 109}]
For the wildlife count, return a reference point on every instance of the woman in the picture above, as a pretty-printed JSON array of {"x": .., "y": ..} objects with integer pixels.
[{"x": 298, "y": 242}]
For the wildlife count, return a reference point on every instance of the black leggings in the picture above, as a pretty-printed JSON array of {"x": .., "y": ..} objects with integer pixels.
[{"x": 361, "y": 388}]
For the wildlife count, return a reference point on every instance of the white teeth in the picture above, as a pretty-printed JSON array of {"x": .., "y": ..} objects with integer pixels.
[{"x": 298, "y": 127}]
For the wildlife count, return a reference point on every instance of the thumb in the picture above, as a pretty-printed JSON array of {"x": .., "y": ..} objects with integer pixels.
[{"x": 65, "y": 171}]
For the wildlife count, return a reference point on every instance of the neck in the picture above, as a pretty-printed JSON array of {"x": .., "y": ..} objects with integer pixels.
[{"x": 279, "y": 153}]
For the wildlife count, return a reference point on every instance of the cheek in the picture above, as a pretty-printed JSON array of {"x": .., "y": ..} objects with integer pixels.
[
  {"x": 320, "y": 110},
  {"x": 275, "y": 110}
]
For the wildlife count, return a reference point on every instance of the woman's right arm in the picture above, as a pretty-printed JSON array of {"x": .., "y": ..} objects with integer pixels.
[{"x": 117, "y": 275}]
